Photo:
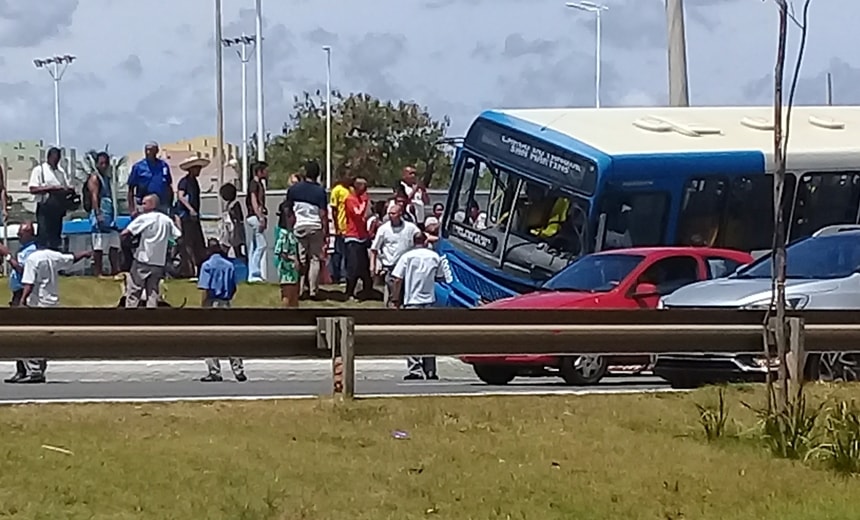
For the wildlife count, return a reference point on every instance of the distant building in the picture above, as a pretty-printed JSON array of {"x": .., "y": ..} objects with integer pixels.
[
  {"x": 20, "y": 157},
  {"x": 204, "y": 146}
]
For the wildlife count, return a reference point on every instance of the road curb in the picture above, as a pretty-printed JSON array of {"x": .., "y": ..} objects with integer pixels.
[{"x": 256, "y": 369}]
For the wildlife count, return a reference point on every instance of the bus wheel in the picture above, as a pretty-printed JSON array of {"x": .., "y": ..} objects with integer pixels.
[
  {"x": 583, "y": 370},
  {"x": 494, "y": 375}
]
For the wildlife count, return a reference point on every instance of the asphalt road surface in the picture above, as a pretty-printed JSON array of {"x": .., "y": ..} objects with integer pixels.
[{"x": 154, "y": 391}]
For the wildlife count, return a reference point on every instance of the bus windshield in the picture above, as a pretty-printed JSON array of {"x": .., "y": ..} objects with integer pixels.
[{"x": 526, "y": 225}]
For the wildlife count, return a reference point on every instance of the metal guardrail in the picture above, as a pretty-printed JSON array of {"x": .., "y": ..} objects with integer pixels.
[{"x": 344, "y": 334}]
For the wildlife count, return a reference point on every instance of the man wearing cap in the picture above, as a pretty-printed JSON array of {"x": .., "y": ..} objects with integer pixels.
[
  {"x": 150, "y": 176},
  {"x": 187, "y": 210}
]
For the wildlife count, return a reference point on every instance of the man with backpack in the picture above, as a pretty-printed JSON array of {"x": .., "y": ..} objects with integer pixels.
[{"x": 98, "y": 202}]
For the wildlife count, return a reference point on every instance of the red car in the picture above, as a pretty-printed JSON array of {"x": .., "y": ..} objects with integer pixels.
[{"x": 616, "y": 279}]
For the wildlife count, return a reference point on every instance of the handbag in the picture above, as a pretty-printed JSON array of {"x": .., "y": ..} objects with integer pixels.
[{"x": 60, "y": 202}]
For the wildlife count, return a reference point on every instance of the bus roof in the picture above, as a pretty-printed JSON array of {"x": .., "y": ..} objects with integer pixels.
[{"x": 821, "y": 136}]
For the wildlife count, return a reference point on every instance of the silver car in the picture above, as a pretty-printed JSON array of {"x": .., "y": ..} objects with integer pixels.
[{"x": 822, "y": 272}]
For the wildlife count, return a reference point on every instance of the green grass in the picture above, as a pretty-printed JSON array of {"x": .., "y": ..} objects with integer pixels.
[
  {"x": 78, "y": 291},
  {"x": 561, "y": 457}
]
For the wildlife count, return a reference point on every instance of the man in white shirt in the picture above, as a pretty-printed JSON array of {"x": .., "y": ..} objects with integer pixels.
[
  {"x": 155, "y": 230},
  {"x": 50, "y": 186},
  {"x": 415, "y": 274},
  {"x": 416, "y": 193},
  {"x": 40, "y": 280},
  {"x": 393, "y": 238}
]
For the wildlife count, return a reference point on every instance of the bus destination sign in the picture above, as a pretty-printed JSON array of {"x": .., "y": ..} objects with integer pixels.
[
  {"x": 466, "y": 234},
  {"x": 553, "y": 163}
]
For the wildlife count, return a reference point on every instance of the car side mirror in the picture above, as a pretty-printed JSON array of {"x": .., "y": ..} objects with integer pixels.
[{"x": 645, "y": 290}]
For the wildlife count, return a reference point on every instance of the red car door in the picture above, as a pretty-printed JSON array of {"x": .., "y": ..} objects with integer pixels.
[{"x": 664, "y": 276}]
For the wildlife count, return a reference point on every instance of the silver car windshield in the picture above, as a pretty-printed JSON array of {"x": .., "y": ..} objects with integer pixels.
[{"x": 817, "y": 258}]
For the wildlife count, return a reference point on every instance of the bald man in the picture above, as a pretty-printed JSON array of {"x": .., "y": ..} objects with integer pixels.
[
  {"x": 27, "y": 245},
  {"x": 156, "y": 230}
]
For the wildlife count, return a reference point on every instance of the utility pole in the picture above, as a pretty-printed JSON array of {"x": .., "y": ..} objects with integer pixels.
[
  {"x": 243, "y": 42},
  {"x": 829, "y": 89},
  {"x": 596, "y": 9},
  {"x": 261, "y": 129},
  {"x": 219, "y": 97},
  {"x": 328, "y": 179},
  {"x": 679, "y": 94},
  {"x": 56, "y": 67}
]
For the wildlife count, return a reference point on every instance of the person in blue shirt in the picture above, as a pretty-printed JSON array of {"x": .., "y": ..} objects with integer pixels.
[
  {"x": 150, "y": 176},
  {"x": 217, "y": 284},
  {"x": 27, "y": 241}
]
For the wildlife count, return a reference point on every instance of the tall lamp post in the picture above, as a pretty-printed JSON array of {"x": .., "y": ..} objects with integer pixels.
[
  {"x": 328, "y": 179},
  {"x": 219, "y": 99},
  {"x": 243, "y": 42},
  {"x": 679, "y": 91},
  {"x": 56, "y": 67},
  {"x": 261, "y": 130},
  {"x": 596, "y": 9}
]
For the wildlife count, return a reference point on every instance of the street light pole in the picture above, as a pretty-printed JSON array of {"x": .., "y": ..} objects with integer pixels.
[
  {"x": 327, "y": 50},
  {"x": 243, "y": 42},
  {"x": 261, "y": 131},
  {"x": 219, "y": 95},
  {"x": 56, "y": 67},
  {"x": 679, "y": 92},
  {"x": 596, "y": 9}
]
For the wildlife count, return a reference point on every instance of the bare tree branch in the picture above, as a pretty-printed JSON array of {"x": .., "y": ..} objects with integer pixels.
[{"x": 792, "y": 13}]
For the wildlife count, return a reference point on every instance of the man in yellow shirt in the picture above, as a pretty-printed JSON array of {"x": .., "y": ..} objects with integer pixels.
[{"x": 339, "y": 193}]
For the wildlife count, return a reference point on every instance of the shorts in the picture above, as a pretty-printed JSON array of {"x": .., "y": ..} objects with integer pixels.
[{"x": 105, "y": 241}]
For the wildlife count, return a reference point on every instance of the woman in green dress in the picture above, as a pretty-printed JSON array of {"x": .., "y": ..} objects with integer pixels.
[{"x": 287, "y": 259}]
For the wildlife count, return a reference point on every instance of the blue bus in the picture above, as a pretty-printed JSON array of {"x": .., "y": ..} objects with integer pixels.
[{"x": 567, "y": 182}]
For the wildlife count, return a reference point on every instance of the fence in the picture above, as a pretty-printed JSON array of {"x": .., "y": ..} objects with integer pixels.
[{"x": 344, "y": 335}]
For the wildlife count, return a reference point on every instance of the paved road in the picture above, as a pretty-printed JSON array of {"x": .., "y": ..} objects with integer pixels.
[{"x": 140, "y": 391}]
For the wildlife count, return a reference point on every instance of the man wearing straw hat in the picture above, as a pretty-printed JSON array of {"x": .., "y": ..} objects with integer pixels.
[{"x": 187, "y": 210}]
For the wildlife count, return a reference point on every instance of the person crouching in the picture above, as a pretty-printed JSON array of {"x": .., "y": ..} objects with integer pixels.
[{"x": 217, "y": 284}]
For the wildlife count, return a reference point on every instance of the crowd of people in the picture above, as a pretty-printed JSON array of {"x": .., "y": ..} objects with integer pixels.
[{"x": 388, "y": 243}]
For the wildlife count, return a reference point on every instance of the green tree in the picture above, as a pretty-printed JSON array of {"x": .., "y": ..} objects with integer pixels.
[{"x": 370, "y": 137}]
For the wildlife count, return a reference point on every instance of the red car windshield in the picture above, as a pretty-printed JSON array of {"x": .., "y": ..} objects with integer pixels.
[{"x": 594, "y": 273}]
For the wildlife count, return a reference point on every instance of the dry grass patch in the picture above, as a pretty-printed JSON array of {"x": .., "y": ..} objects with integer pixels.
[{"x": 594, "y": 457}]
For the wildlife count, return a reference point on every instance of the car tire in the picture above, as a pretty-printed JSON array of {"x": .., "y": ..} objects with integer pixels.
[
  {"x": 494, "y": 375},
  {"x": 590, "y": 372}
]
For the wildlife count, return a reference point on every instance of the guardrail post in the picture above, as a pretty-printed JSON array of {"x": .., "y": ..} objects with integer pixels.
[
  {"x": 797, "y": 354},
  {"x": 337, "y": 336}
]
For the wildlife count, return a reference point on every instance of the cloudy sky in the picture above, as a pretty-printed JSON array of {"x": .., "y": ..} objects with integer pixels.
[{"x": 145, "y": 68}]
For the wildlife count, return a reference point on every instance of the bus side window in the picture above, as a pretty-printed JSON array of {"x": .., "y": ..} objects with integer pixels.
[
  {"x": 701, "y": 211},
  {"x": 748, "y": 219},
  {"x": 825, "y": 199},
  {"x": 634, "y": 219}
]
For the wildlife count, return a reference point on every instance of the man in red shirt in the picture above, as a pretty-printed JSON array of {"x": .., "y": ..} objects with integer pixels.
[{"x": 357, "y": 238}]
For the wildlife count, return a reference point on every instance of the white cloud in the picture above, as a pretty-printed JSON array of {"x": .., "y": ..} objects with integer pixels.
[{"x": 132, "y": 83}]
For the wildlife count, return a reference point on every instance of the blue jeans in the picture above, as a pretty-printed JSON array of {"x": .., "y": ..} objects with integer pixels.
[
  {"x": 257, "y": 254},
  {"x": 336, "y": 264}
]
